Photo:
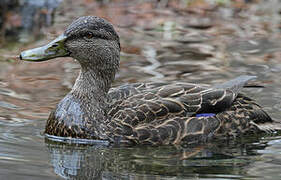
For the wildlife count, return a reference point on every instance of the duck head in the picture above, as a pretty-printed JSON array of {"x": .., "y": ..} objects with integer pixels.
[{"x": 90, "y": 40}]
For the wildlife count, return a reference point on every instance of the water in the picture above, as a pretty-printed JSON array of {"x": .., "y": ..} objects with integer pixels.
[{"x": 158, "y": 50}]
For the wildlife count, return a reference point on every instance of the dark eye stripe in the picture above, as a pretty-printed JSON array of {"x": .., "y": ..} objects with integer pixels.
[
  {"x": 83, "y": 34},
  {"x": 100, "y": 36}
]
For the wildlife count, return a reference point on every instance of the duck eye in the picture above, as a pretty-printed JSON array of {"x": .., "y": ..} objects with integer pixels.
[{"x": 89, "y": 35}]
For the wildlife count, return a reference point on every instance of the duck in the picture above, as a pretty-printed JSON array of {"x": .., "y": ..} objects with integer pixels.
[{"x": 152, "y": 113}]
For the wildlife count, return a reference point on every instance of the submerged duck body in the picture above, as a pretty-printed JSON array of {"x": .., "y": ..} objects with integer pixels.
[{"x": 141, "y": 113}]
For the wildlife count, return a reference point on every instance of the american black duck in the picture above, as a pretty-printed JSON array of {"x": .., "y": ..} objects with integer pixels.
[{"x": 141, "y": 113}]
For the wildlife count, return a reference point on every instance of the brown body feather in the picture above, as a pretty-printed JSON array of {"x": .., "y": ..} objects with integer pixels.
[{"x": 159, "y": 113}]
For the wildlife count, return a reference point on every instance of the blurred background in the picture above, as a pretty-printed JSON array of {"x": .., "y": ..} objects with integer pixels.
[{"x": 198, "y": 41}]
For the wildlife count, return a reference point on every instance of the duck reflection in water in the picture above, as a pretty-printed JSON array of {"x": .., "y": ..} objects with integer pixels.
[{"x": 101, "y": 162}]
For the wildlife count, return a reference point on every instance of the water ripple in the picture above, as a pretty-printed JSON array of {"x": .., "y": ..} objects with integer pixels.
[{"x": 11, "y": 93}]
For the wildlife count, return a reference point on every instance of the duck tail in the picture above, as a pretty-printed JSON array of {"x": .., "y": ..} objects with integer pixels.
[
  {"x": 236, "y": 84},
  {"x": 269, "y": 127}
]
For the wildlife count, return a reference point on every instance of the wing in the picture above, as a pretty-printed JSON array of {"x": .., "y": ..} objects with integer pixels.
[
  {"x": 166, "y": 113},
  {"x": 153, "y": 103},
  {"x": 158, "y": 100}
]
